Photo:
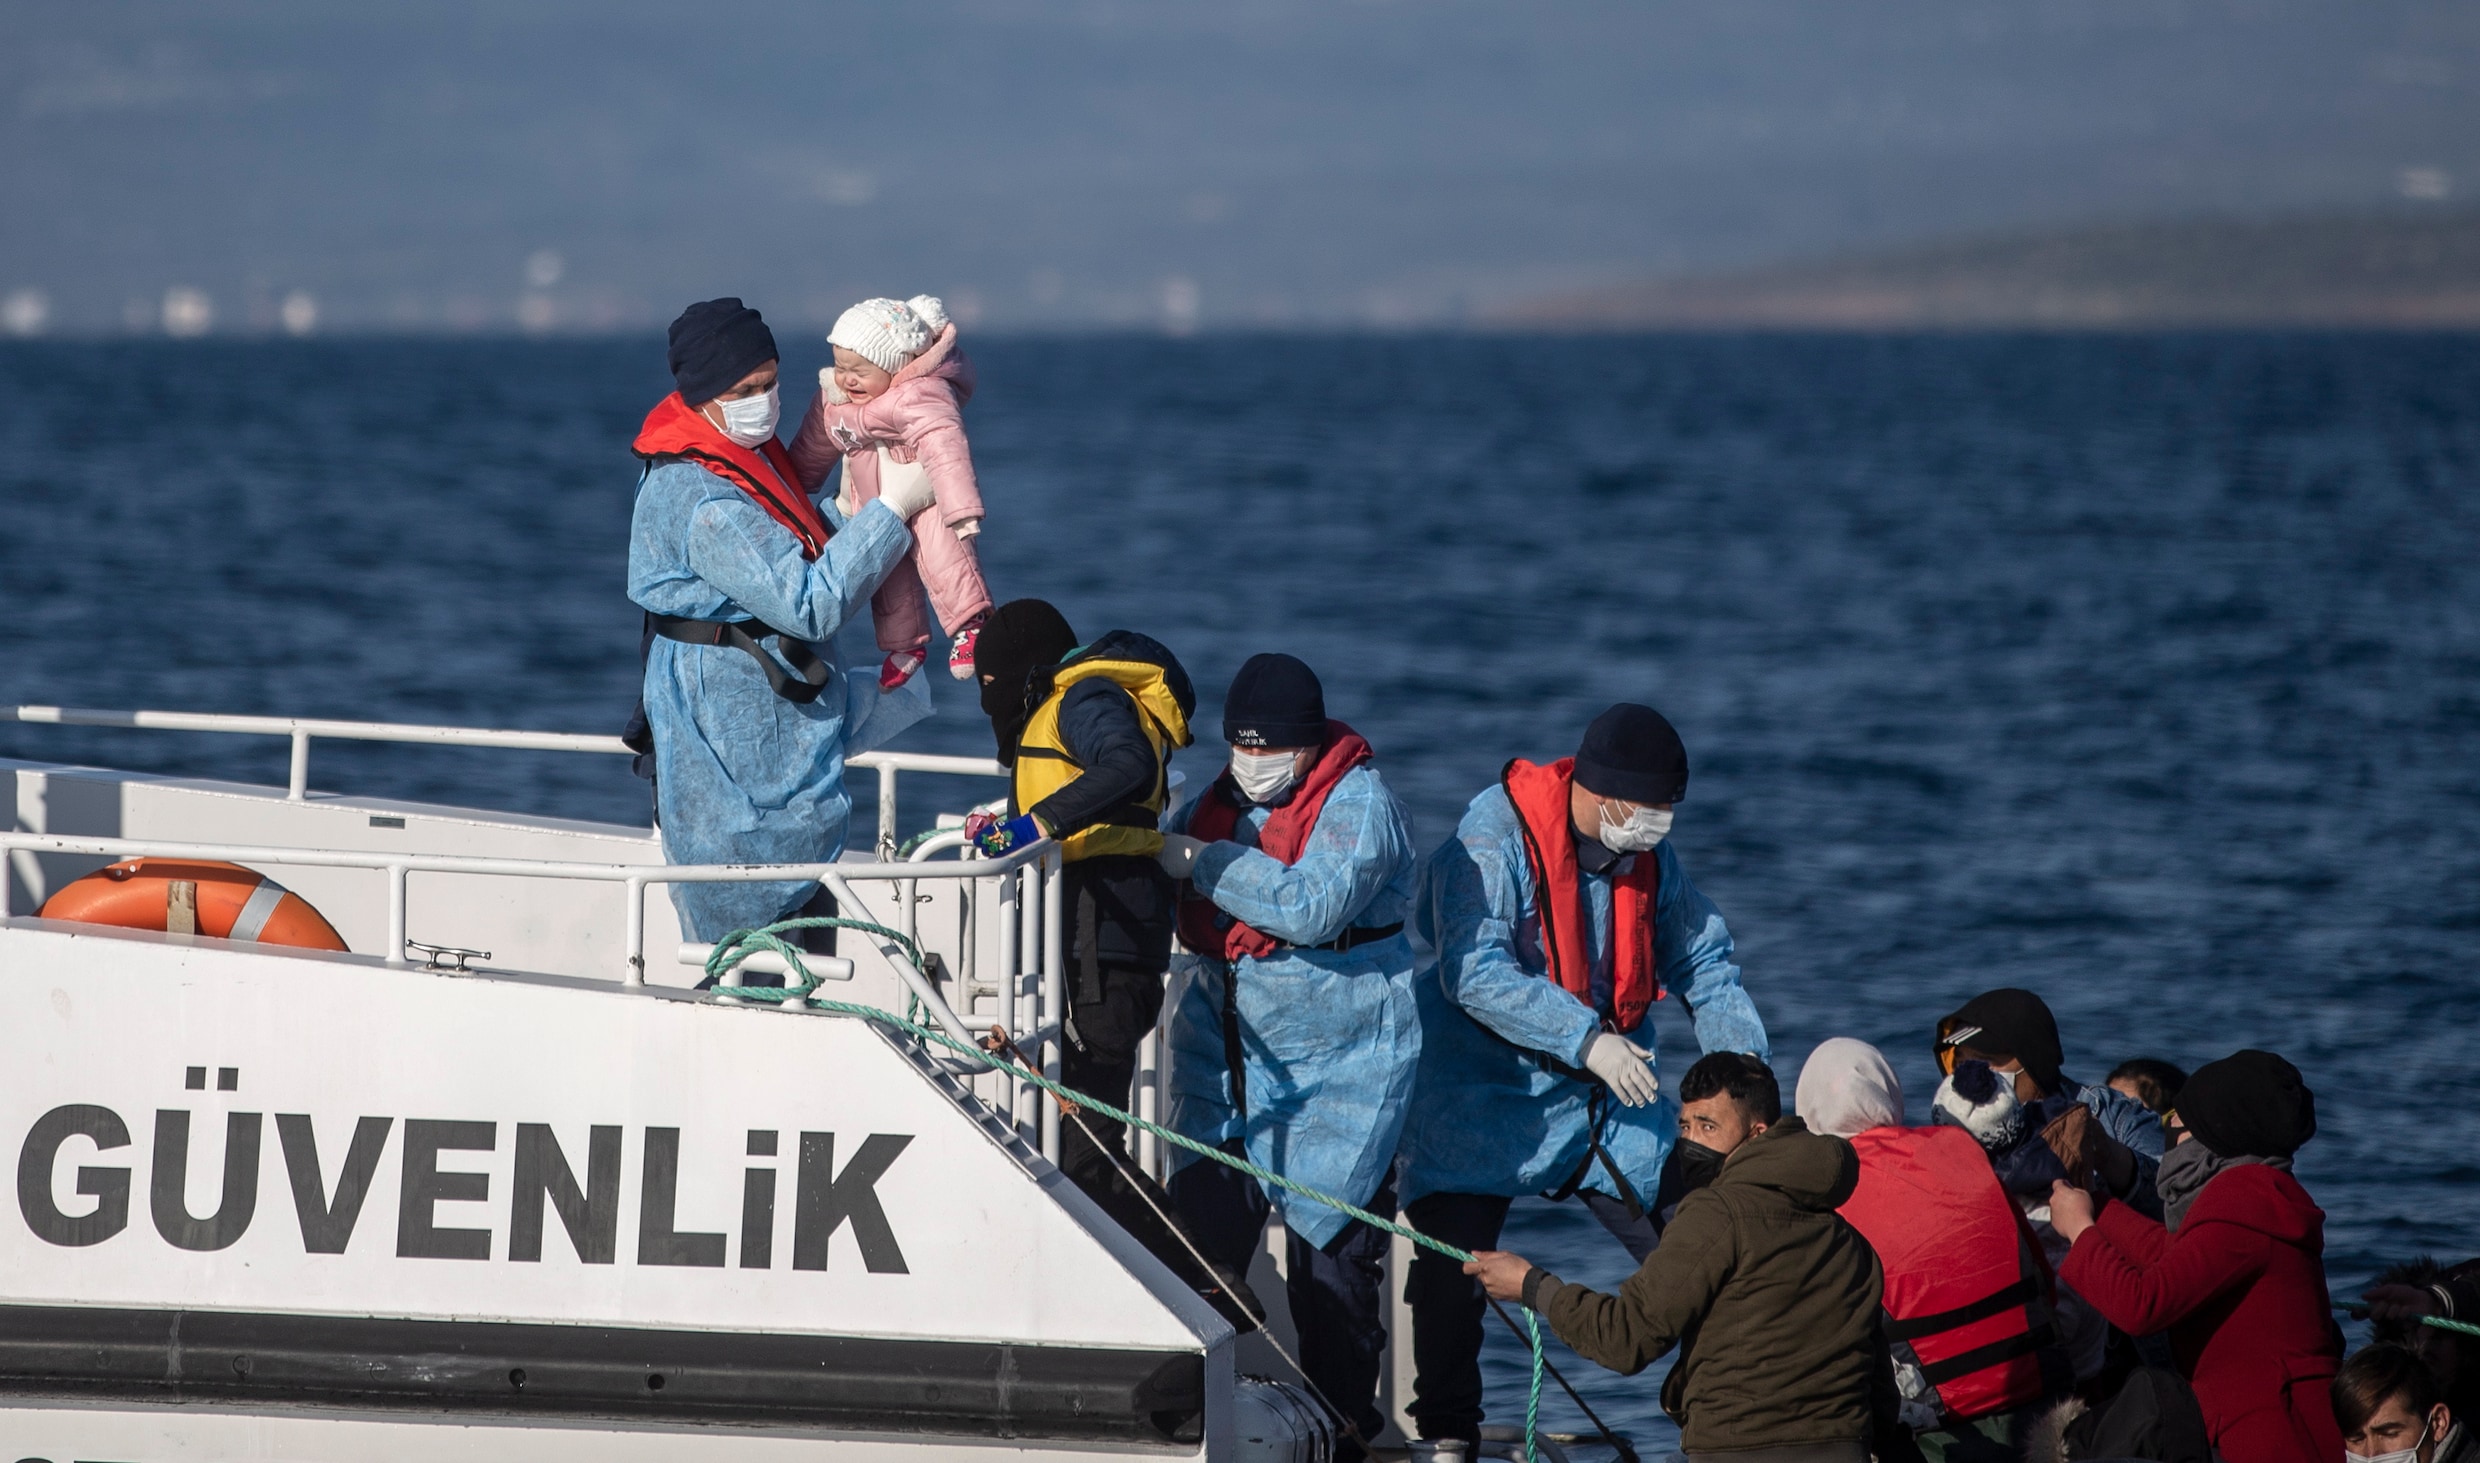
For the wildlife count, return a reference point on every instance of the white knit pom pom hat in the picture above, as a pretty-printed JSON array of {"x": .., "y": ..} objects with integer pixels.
[
  {"x": 1982, "y": 1103},
  {"x": 889, "y": 333}
]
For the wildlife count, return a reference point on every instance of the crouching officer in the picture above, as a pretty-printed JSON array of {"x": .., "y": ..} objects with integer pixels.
[
  {"x": 1088, "y": 731},
  {"x": 1294, "y": 1033},
  {"x": 1559, "y": 915}
]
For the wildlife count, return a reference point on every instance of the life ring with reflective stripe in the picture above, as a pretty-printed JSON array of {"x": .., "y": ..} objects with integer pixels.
[{"x": 194, "y": 897}]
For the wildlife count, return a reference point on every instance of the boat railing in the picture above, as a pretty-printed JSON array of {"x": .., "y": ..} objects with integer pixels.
[
  {"x": 1025, "y": 885},
  {"x": 1033, "y": 934},
  {"x": 301, "y": 731}
]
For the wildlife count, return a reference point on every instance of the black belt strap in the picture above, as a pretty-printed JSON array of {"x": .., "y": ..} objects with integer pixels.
[
  {"x": 1234, "y": 1059},
  {"x": 1937, "y": 1374},
  {"x": 807, "y": 676},
  {"x": 1354, "y": 939},
  {"x": 1595, "y": 1106},
  {"x": 2022, "y": 1292}
]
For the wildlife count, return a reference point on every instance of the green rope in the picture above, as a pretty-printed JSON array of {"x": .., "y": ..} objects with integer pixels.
[
  {"x": 738, "y": 946},
  {"x": 2360, "y": 1313}
]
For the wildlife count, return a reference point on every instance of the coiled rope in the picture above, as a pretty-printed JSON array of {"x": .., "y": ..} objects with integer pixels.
[{"x": 733, "y": 949}]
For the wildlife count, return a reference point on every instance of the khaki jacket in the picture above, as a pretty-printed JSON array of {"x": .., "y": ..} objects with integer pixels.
[{"x": 1772, "y": 1299}]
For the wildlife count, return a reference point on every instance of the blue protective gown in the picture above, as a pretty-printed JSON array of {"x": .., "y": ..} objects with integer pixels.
[
  {"x": 743, "y": 776},
  {"x": 1487, "y": 1116},
  {"x": 1329, "y": 1039}
]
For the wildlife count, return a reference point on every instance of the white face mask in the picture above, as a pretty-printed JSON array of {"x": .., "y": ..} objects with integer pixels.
[
  {"x": 1262, "y": 779},
  {"x": 2399, "y": 1455},
  {"x": 1643, "y": 829},
  {"x": 751, "y": 420}
]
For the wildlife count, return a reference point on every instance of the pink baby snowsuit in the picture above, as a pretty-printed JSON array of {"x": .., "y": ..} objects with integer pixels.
[{"x": 918, "y": 418}]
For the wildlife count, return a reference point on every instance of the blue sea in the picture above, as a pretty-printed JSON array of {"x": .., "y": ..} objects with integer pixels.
[{"x": 2140, "y": 670}]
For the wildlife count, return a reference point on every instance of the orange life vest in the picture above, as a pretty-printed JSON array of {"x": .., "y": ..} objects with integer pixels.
[
  {"x": 1968, "y": 1293},
  {"x": 1204, "y": 927},
  {"x": 1540, "y": 795},
  {"x": 675, "y": 431}
]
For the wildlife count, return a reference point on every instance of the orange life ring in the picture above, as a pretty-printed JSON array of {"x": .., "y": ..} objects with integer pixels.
[{"x": 194, "y": 897}]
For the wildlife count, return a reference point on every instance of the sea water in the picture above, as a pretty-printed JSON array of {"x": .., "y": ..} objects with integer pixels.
[{"x": 2143, "y": 671}]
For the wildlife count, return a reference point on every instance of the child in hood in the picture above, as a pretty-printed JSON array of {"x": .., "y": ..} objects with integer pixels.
[
  {"x": 1983, "y": 1103},
  {"x": 892, "y": 403}
]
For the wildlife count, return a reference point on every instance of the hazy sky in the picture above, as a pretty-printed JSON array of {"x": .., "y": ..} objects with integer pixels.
[{"x": 1245, "y": 161}]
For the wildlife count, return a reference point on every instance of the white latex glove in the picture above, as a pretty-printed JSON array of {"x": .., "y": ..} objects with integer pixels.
[
  {"x": 1625, "y": 1066},
  {"x": 1179, "y": 854},
  {"x": 844, "y": 503},
  {"x": 904, "y": 486}
]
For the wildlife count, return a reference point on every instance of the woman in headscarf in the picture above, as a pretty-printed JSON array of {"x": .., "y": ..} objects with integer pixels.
[
  {"x": 1967, "y": 1295},
  {"x": 2237, "y": 1274}
]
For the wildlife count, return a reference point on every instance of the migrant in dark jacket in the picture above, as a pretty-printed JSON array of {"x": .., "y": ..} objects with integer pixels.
[{"x": 1772, "y": 1297}]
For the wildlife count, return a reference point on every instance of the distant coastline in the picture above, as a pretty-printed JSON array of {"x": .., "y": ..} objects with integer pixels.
[{"x": 2398, "y": 269}]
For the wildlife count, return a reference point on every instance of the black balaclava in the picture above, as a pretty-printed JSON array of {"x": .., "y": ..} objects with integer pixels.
[
  {"x": 2008, "y": 1022},
  {"x": 1018, "y": 640},
  {"x": 1630, "y": 752},
  {"x": 714, "y": 344},
  {"x": 2248, "y": 1104},
  {"x": 1275, "y": 701}
]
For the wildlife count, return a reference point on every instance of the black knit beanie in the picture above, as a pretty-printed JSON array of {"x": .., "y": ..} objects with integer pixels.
[
  {"x": 2009, "y": 1022},
  {"x": 1275, "y": 701},
  {"x": 2248, "y": 1104},
  {"x": 714, "y": 344},
  {"x": 1630, "y": 752}
]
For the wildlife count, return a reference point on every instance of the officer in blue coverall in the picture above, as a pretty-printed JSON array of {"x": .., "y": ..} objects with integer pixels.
[
  {"x": 1294, "y": 1034},
  {"x": 735, "y": 565},
  {"x": 1558, "y": 913}
]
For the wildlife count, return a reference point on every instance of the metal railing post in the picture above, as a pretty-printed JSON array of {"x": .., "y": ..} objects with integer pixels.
[
  {"x": 297, "y": 786},
  {"x": 636, "y": 894},
  {"x": 1008, "y": 889},
  {"x": 887, "y": 813},
  {"x": 1054, "y": 1010},
  {"x": 396, "y": 876}
]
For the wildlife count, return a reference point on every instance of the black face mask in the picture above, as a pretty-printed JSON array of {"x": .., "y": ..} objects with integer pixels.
[{"x": 1690, "y": 1167}]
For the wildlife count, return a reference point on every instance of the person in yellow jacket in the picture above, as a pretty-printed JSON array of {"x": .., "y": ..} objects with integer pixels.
[{"x": 1088, "y": 730}]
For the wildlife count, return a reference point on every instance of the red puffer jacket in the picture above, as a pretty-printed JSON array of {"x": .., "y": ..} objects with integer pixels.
[{"x": 2241, "y": 1288}]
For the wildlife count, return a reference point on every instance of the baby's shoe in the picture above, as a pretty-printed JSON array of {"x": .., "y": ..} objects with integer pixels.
[
  {"x": 899, "y": 668},
  {"x": 960, "y": 655}
]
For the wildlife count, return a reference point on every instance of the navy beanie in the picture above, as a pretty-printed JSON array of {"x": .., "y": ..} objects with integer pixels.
[
  {"x": 1630, "y": 752},
  {"x": 1275, "y": 701},
  {"x": 714, "y": 344}
]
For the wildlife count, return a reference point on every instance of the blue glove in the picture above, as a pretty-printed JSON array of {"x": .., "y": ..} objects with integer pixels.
[{"x": 1007, "y": 837}]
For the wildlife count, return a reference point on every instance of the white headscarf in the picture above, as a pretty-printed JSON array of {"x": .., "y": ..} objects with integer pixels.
[{"x": 1846, "y": 1087}]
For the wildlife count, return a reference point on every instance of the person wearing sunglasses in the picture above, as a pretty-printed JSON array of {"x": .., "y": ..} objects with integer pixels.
[{"x": 2102, "y": 1132}]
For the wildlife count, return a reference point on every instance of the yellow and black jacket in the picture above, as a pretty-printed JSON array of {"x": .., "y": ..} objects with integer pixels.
[{"x": 1093, "y": 762}]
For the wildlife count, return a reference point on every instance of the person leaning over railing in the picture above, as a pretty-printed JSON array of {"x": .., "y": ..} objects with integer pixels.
[
  {"x": 1560, "y": 913},
  {"x": 743, "y": 579}
]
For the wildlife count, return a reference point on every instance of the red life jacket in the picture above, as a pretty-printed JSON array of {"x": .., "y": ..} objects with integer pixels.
[
  {"x": 1968, "y": 1292},
  {"x": 675, "y": 430},
  {"x": 1204, "y": 928},
  {"x": 1540, "y": 795}
]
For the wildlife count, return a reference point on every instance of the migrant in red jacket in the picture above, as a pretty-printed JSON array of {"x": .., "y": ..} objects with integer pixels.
[{"x": 2241, "y": 1288}]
